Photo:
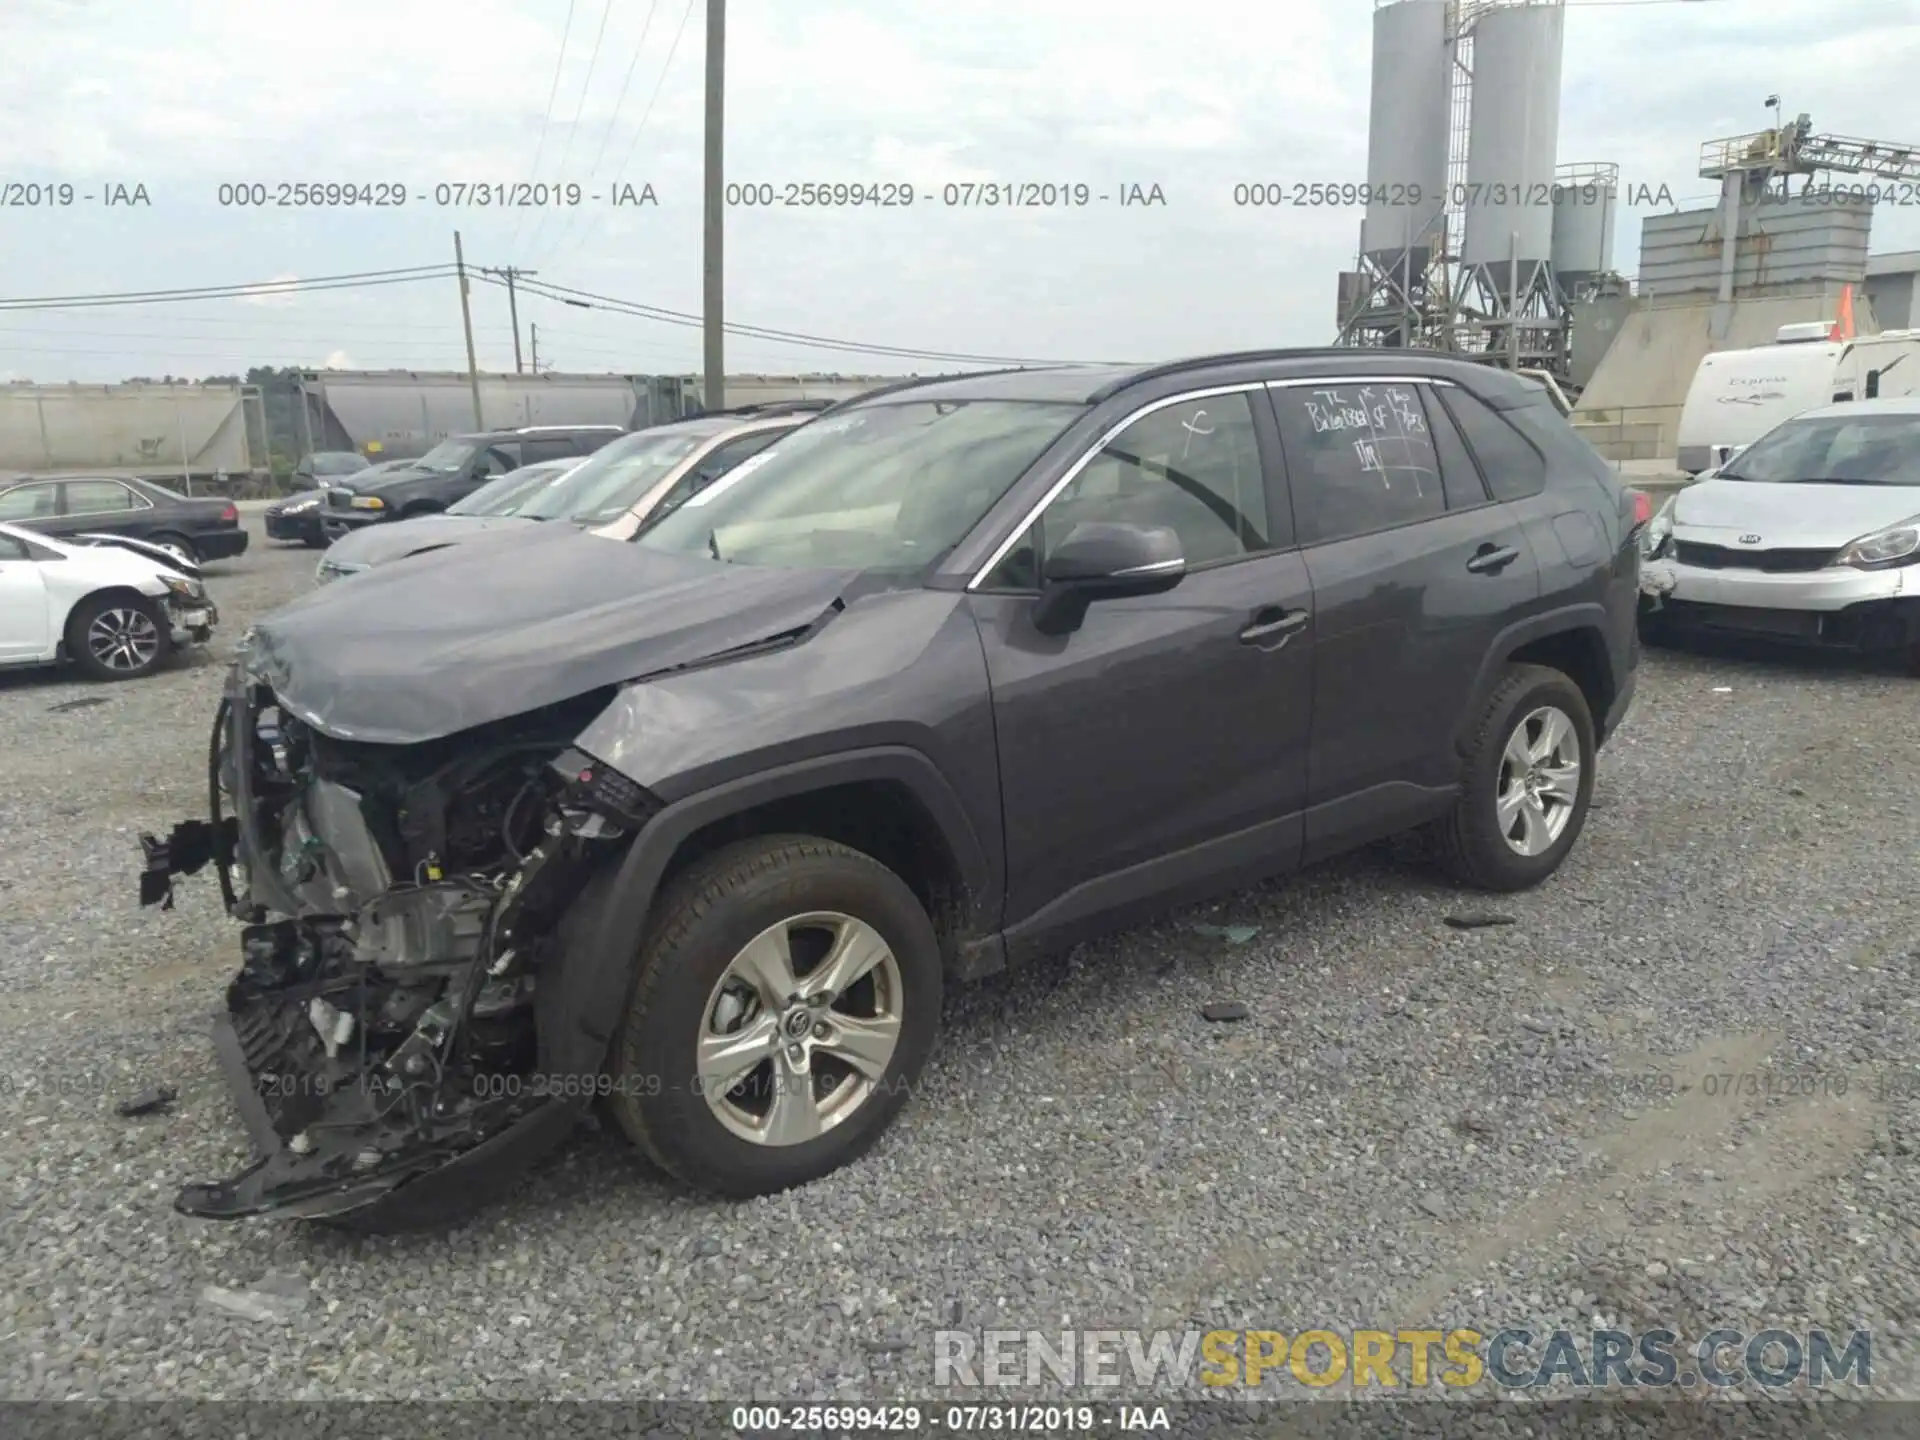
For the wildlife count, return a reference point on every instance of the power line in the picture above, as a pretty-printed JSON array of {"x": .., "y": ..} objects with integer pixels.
[
  {"x": 553, "y": 93},
  {"x": 253, "y": 290},
  {"x": 573, "y": 127},
  {"x": 619, "y": 103},
  {"x": 588, "y": 300},
  {"x": 646, "y": 114}
]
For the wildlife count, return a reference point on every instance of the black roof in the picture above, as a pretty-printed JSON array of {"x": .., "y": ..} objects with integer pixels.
[{"x": 1090, "y": 384}]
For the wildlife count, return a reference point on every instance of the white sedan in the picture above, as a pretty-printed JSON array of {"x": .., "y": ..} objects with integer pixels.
[{"x": 116, "y": 608}]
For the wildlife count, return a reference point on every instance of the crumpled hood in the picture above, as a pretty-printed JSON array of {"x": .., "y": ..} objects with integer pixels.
[
  {"x": 412, "y": 652},
  {"x": 1809, "y": 517},
  {"x": 171, "y": 563},
  {"x": 377, "y": 544}
]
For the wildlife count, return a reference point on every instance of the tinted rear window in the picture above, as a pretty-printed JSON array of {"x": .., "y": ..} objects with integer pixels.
[{"x": 1513, "y": 466}]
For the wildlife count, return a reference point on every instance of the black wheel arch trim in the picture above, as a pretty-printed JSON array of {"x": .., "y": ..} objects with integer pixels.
[
  {"x": 582, "y": 1000},
  {"x": 1587, "y": 615}
]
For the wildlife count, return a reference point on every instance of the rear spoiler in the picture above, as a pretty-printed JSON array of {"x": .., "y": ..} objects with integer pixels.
[{"x": 140, "y": 547}]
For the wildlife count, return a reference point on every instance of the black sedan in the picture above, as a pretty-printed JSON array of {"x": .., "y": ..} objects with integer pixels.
[
  {"x": 299, "y": 516},
  {"x": 67, "y": 505}
]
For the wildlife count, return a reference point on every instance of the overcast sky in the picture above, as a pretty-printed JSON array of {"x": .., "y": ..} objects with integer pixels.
[{"x": 181, "y": 96}]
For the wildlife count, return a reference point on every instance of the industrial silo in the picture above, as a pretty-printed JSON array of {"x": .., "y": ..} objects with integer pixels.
[
  {"x": 1584, "y": 208},
  {"x": 1407, "y": 132},
  {"x": 1514, "y": 128}
]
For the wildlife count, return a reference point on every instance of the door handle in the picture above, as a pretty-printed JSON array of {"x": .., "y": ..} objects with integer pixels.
[
  {"x": 1492, "y": 559},
  {"x": 1271, "y": 622}
]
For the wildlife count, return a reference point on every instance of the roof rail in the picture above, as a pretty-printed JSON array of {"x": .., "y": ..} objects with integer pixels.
[
  {"x": 916, "y": 381},
  {"x": 1195, "y": 362},
  {"x": 776, "y": 407}
]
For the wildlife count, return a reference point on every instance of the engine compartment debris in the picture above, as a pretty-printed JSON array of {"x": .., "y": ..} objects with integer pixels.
[{"x": 399, "y": 904}]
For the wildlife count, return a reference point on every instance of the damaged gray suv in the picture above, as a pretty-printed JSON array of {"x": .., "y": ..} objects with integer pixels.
[{"x": 695, "y": 825}]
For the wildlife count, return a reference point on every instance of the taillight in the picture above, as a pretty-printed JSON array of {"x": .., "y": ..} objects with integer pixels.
[
  {"x": 1642, "y": 507},
  {"x": 231, "y": 513}
]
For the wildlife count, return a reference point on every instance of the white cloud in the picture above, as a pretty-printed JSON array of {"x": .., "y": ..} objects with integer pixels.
[{"x": 341, "y": 360}]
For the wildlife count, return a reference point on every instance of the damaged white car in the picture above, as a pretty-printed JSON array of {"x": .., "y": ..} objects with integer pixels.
[
  {"x": 114, "y": 607},
  {"x": 1811, "y": 535}
]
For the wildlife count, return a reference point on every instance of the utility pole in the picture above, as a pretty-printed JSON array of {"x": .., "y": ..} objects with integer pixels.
[
  {"x": 533, "y": 333},
  {"x": 466, "y": 319},
  {"x": 716, "y": 364},
  {"x": 509, "y": 273}
]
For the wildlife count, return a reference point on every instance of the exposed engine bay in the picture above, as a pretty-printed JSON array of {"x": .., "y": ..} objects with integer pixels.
[{"x": 400, "y": 902}]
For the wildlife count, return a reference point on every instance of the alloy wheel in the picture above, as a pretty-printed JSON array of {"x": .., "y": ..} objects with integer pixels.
[
  {"x": 800, "y": 1028},
  {"x": 1539, "y": 784},
  {"x": 123, "y": 639}
]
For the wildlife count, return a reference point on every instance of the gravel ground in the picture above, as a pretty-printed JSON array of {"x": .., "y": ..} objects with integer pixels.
[{"x": 1416, "y": 1126}]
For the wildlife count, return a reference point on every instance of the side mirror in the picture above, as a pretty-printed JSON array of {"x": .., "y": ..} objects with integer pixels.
[{"x": 1102, "y": 560}]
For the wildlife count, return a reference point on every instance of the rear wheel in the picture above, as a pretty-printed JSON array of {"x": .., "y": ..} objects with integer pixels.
[
  {"x": 1528, "y": 783},
  {"x": 178, "y": 546},
  {"x": 787, "y": 1000},
  {"x": 118, "y": 637}
]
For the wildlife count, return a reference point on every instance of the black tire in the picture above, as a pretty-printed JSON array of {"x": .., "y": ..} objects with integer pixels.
[
  {"x": 702, "y": 921},
  {"x": 1469, "y": 841},
  {"x": 314, "y": 542},
  {"x": 188, "y": 550},
  {"x": 1656, "y": 630},
  {"x": 425, "y": 507},
  {"x": 80, "y": 624}
]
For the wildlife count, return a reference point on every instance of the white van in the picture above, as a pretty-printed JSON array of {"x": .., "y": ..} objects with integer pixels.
[{"x": 1739, "y": 395}]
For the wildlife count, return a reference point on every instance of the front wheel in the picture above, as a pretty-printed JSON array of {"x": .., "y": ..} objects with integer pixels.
[
  {"x": 1528, "y": 783},
  {"x": 118, "y": 637},
  {"x": 787, "y": 999}
]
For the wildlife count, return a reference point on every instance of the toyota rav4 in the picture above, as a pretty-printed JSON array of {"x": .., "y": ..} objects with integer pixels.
[{"x": 696, "y": 824}]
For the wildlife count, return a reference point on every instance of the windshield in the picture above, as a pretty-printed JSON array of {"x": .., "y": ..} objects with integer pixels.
[
  {"x": 614, "y": 476},
  {"x": 1833, "y": 450},
  {"x": 447, "y": 456},
  {"x": 506, "y": 495},
  {"x": 338, "y": 463},
  {"x": 887, "y": 487}
]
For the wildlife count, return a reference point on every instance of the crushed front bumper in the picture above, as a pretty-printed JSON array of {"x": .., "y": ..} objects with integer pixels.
[
  {"x": 379, "y": 1173},
  {"x": 385, "y": 1081},
  {"x": 1837, "y": 607},
  {"x": 191, "y": 622}
]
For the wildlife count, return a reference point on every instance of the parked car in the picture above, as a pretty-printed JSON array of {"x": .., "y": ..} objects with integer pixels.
[
  {"x": 191, "y": 530},
  {"x": 492, "y": 505},
  {"x": 960, "y": 672},
  {"x": 115, "y": 608},
  {"x": 454, "y": 469},
  {"x": 1810, "y": 535},
  {"x": 322, "y": 468},
  {"x": 299, "y": 516},
  {"x": 617, "y": 486}
]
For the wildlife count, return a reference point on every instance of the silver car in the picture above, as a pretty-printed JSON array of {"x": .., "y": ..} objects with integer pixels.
[{"x": 1811, "y": 534}]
